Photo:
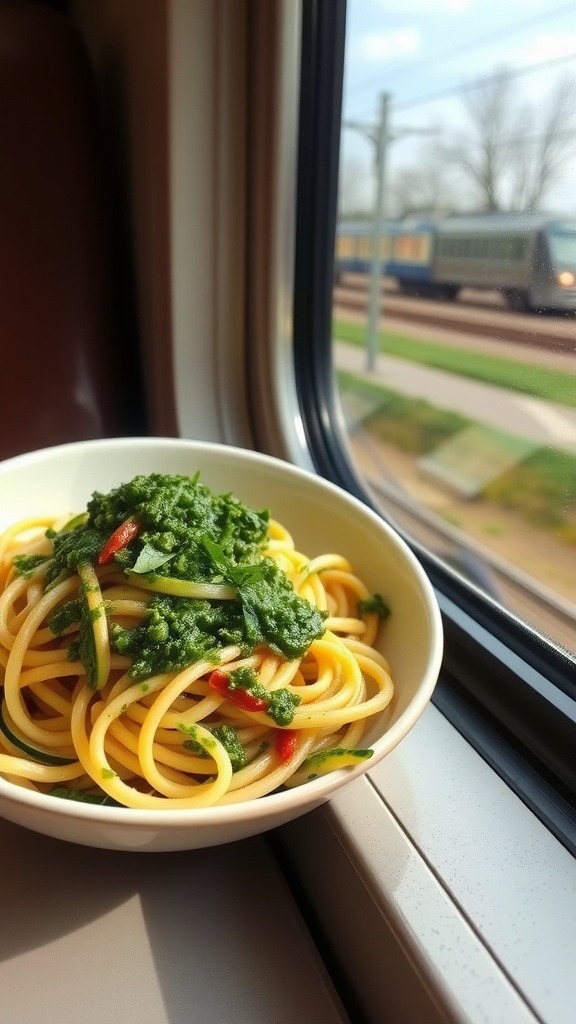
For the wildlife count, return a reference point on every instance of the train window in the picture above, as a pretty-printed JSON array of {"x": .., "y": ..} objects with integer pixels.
[
  {"x": 563, "y": 243},
  {"x": 458, "y": 398},
  {"x": 364, "y": 246},
  {"x": 345, "y": 246},
  {"x": 386, "y": 247},
  {"x": 517, "y": 249}
]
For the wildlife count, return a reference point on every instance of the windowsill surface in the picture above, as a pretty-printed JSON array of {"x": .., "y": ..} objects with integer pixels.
[
  {"x": 478, "y": 891},
  {"x": 207, "y": 935}
]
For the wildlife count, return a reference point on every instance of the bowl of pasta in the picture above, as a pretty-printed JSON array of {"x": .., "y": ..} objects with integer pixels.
[{"x": 198, "y": 643}]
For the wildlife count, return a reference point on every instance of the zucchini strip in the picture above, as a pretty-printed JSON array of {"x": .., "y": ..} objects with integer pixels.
[
  {"x": 34, "y": 752},
  {"x": 94, "y": 644},
  {"x": 183, "y": 588}
]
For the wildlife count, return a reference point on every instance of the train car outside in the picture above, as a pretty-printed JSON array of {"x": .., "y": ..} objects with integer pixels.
[
  {"x": 529, "y": 258},
  {"x": 406, "y": 250}
]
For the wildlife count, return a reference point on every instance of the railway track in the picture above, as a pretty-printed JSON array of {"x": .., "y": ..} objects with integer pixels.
[
  {"x": 488, "y": 322},
  {"x": 516, "y": 591}
]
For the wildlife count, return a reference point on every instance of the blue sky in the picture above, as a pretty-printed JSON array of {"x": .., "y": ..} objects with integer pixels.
[{"x": 414, "y": 49}]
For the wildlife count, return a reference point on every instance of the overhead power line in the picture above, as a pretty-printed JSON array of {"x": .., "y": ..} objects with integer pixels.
[
  {"x": 521, "y": 140},
  {"x": 459, "y": 90},
  {"x": 478, "y": 43},
  {"x": 496, "y": 36}
]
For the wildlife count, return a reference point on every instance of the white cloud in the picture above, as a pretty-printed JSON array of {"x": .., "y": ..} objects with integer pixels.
[
  {"x": 416, "y": 7},
  {"x": 547, "y": 46},
  {"x": 486, "y": 8},
  {"x": 375, "y": 47}
]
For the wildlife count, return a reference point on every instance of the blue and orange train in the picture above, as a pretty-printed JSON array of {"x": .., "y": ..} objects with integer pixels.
[{"x": 529, "y": 258}]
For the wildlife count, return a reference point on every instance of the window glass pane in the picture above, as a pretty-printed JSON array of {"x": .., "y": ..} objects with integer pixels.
[{"x": 459, "y": 389}]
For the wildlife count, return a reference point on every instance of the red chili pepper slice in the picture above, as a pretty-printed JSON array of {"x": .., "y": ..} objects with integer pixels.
[
  {"x": 286, "y": 743},
  {"x": 120, "y": 539},
  {"x": 219, "y": 681},
  {"x": 244, "y": 700}
]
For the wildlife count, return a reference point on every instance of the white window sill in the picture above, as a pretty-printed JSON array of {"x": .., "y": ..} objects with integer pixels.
[{"x": 460, "y": 903}]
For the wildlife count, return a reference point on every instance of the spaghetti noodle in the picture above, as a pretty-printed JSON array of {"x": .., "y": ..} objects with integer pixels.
[{"x": 111, "y": 693}]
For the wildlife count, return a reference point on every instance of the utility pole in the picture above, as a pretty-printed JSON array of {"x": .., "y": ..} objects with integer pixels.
[
  {"x": 381, "y": 136},
  {"x": 381, "y": 143}
]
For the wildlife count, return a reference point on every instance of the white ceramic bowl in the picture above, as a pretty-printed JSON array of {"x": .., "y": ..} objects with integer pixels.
[{"x": 321, "y": 518}]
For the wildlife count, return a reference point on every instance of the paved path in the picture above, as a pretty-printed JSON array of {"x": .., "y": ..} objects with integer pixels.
[{"x": 545, "y": 423}]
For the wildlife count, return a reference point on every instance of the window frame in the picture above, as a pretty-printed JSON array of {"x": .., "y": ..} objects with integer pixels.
[{"x": 523, "y": 722}]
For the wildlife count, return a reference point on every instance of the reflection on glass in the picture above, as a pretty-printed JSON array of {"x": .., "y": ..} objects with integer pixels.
[{"x": 459, "y": 207}]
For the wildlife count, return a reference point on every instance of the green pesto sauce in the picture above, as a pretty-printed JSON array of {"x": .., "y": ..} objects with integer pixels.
[
  {"x": 193, "y": 535},
  {"x": 228, "y": 737},
  {"x": 192, "y": 730},
  {"x": 374, "y": 604},
  {"x": 281, "y": 706},
  {"x": 195, "y": 747},
  {"x": 193, "y": 743},
  {"x": 277, "y": 616},
  {"x": 25, "y": 565},
  {"x": 244, "y": 678},
  {"x": 175, "y": 512},
  {"x": 68, "y": 614},
  {"x": 177, "y": 631},
  {"x": 281, "y": 703}
]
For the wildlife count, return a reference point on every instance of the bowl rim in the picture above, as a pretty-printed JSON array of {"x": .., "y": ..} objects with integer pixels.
[{"x": 317, "y": 790}]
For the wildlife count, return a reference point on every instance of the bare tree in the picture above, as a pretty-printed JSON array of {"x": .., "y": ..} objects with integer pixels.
[
  {"x": 554, "y": 143},
  {"x": 427, "y": 187},
  {"x": 513, "y": 151},
  {"x": 484, "y": 152},
  {"x": 508, "y": 156}
]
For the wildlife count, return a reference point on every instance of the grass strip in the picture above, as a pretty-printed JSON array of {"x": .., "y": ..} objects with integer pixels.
[
  {"x": 529, "y": 378},
  {"x": 541, "y": 488}
]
